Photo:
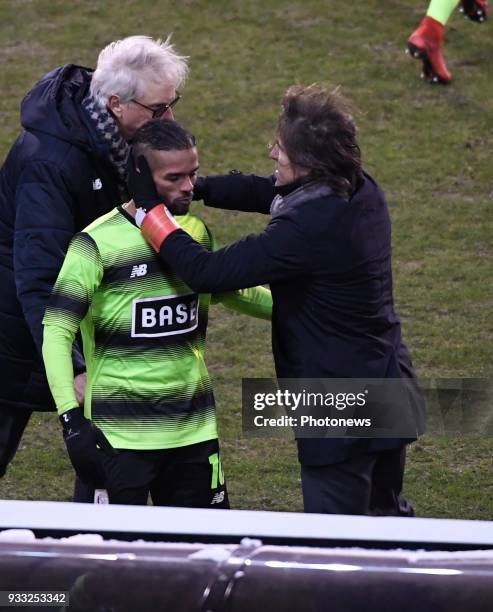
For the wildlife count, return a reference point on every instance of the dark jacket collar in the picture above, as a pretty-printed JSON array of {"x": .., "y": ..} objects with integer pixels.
[{"x": 310, "y": 190}]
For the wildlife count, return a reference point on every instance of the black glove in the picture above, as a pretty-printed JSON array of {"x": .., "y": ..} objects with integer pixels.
[
  {"x": 200, "y": 188},
  {"x": 82, "y": 439},
  {"x": 140, "y": 183}
]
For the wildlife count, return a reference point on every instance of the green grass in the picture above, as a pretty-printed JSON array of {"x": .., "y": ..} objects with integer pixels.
[{"x": 429, "y": 147}]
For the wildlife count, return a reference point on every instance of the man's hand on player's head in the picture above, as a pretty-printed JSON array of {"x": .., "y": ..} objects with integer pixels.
[
  {"x": 199, "y": 189},
  {"x": 141, "y": 185}
]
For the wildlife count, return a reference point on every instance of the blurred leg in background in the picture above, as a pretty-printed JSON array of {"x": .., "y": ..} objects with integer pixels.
[
  {"x": 426, "y": 43},
  {"x": 13, "y": 421}
]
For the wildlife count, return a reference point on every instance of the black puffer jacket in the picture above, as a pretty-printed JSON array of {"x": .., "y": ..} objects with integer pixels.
[{"x": 56, "y": 179}]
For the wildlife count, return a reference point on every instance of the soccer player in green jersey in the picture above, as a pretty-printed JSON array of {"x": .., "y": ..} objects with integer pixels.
[{"x": 148, "y": 423}]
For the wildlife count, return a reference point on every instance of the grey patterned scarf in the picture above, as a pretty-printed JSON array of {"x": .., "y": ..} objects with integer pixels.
[{"x": 107, "y": 128}]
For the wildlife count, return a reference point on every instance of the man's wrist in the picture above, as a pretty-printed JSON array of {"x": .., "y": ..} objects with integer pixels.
[
  {"x": 140, "y": 215},
  {"x": 147, "y": 205},
  {"x": 157, "y": 226}
]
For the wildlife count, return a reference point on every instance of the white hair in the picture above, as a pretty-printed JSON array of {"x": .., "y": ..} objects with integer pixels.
[{"x": 125, "y": 67}]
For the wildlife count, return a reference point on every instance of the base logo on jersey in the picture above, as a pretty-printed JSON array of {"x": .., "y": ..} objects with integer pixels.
[{"x": 165, "y": 316}]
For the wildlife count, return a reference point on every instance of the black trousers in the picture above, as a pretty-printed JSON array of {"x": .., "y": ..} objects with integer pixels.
[
  {"x": 367, "y": 483},
  {"x": 13, "y": 422},
  {"x": 188, "y": 476}
]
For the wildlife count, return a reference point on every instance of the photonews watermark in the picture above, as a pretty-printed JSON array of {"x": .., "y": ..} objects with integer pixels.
[{"x": 366, "y": 408}]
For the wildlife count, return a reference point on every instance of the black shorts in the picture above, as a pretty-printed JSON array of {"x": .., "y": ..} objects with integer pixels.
[{"x": 188, "y": 476}]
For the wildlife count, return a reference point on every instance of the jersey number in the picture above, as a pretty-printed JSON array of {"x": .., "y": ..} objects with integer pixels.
[{"x": 217, "y": 471}]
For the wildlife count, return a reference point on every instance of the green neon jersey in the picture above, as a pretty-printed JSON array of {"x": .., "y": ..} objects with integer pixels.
[{"x": 143, "y": 332}]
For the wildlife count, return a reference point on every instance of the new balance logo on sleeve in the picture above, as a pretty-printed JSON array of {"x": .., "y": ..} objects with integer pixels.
[
  {"x": 139, "y": 271},
  {"x": 97, "y": 184}
]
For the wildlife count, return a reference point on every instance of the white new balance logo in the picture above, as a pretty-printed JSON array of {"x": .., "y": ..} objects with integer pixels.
[
  {"x": 139, "y": 270},
  {"x": 218, "y": 498},
  {"x": 97, "y": 184}
]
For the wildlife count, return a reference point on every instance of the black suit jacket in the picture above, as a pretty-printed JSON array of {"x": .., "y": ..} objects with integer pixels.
[{"x": 328, "y": 263}]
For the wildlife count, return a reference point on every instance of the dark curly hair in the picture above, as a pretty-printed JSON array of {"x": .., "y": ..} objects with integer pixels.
[
  {"x": 318, "y": 133},
  {"x": 162, "y": 135}
]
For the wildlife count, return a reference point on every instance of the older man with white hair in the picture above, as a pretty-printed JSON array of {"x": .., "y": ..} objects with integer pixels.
[{"x": 66, "y": 169}]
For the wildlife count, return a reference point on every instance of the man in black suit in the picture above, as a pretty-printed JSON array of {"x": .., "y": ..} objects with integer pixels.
[{"x": 326, "y": 254}]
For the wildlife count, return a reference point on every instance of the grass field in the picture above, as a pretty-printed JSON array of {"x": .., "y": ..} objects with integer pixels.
[{"x": 429, "y": 147}]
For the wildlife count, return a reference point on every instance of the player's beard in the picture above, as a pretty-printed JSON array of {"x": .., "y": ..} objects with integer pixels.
[{"x": 179, "y": 206}]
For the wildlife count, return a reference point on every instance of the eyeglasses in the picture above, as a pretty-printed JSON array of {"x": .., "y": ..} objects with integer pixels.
[
  {"x": 160, "y": 109},
  {"x": 271, "y": 145}
]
